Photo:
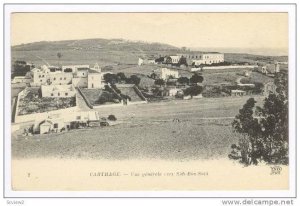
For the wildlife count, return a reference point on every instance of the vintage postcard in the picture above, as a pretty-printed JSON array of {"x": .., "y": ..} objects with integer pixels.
[{"x": 187, "y": 101}]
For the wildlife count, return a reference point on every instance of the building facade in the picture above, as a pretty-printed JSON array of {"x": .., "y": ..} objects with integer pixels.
[
  {"x": 58, "y": 91},
  {"x": 209, "y": 58}
]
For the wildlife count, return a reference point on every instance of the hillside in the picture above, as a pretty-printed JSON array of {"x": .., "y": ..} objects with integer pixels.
[
  {"x": 94, "y": 44},
  {"x": 114, "y": 53},
  {"x": 89, "y": 51}
]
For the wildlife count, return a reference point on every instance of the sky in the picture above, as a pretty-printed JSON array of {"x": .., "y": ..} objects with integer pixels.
[{"x": 199, "y": 30}]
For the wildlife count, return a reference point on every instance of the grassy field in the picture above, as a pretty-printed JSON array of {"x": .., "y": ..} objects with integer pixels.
[
  {"x": 220, "y": 77},
  {"x": 203, "y": 131},
  {"x": 256, "y": 77}
]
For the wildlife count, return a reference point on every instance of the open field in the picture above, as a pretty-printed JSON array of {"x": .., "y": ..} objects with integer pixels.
[
  {"x": 256, "y": 77},
  {"x": 220, "y": 77},
  {"x": 202, "y": 131}
]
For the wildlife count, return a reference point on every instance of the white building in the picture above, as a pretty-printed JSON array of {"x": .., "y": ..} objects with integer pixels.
[
  {"x": 21, "y": 79},
  {"x": 209, "y": 58},
  {"x": 172, "y": 59},
  {"x": 165, "y": 73},
  {"x": 142, "y": 61},
  {"x": 59, "y": 122},
  {"x": 77, "y": 75},
  {"x": 95, "y": 80},
  {"x": 58, "y": 91}
]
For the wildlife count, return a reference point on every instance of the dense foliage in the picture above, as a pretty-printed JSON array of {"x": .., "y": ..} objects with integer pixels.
[{"x": 264, "y": 129}]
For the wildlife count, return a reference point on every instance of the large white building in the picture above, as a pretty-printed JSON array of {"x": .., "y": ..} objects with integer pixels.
[{"x": 209, "y": 58}]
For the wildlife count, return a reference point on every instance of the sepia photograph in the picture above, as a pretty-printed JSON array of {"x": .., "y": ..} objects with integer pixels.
[{"x": 150, "y": 101}]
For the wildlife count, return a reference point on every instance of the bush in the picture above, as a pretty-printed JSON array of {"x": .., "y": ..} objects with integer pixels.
[
  {"x": 111, "y": 117},
  {"x": 196, "y": 79},
  {"x": 193, "y": 91}
]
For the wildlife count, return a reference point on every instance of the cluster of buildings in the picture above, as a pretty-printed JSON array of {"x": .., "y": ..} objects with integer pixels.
[
  {"x": 188, "y": 58},
  {"x": 58, "y": 122},
  {"x": 268, "y": 69},
  {"x": 166, "y": 73},
  {"x": 78, "y": 75}
]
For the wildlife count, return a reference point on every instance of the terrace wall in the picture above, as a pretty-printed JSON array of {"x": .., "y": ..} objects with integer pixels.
[
  {"x": 33, "y": 116},
  {"x": 85, "y": 98}
]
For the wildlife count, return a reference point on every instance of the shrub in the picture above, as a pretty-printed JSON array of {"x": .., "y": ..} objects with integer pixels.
[{"x": 111, "y": 117}]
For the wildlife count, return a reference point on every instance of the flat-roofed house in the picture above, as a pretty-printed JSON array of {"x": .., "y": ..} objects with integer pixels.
[
  {"x": 165, "y": 73},
  {"x": 58, "y": 91},
  {"x": 21, "y": 79},
  {"x": 60, "y": 78}
]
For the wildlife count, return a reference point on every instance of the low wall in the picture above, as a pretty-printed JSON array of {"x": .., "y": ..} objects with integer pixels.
[
  {"x": 139, "y": 102},
  {"x": 139, "y": 93},
  {"x": 226, "y": 67},
  {"x": 43, "y": 115},
  {"x": 85, "y": 99},
  {"x": 231, "y": 67},
  {"x": 109, "y": 105}
]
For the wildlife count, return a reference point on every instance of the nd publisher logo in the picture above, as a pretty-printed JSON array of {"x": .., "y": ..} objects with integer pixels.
[{"x": 276, "y": 170}]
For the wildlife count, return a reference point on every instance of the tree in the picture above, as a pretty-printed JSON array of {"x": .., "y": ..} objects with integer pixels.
[
  {"x": 183, "y": 80},
  {"x": 159, "y": 82},
  {"x": 182, "y": 61},
  {"x": 110, "y": 78},
  {"x": 196, "y": 78},
  {"x": 121, "y": 76},
  {"x": 193, "y": 91},
  {"x": 133, "y": 80},
  {"x": 265, "y": 137},
  {"x": 274, "y": 122},
  {"x": 59, "y": 56},
  {"x": 249, "y": 127}
]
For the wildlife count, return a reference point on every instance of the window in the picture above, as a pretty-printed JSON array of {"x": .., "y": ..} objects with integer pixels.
[
  {"x": 43, "y": 75},
  {"x": 58, "y": 94},
  {"x": 51, "y": 94},
  {"x": 65, "y": 78},
  {"x": 78, "y": 117},
  {"x": 41, "y": 80},
  {"x": 54, "y": 78},
  {"x": 55, "y": 126},
  {"x": 39, "y": 76},
  {"x": 61, "y": 78},
  {"x": 82, "y": 73},
  {"x": 66, "y": 93}
]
